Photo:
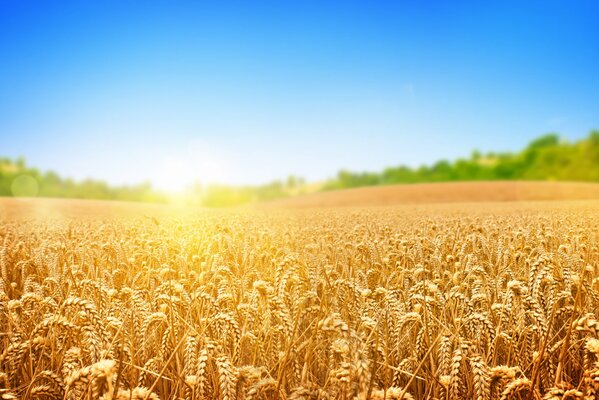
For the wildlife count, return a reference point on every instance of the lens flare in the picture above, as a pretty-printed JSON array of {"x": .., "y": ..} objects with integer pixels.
[{"x": 24, "y": 186}]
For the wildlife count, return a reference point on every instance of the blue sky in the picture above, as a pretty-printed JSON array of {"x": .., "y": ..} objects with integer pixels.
[{"x": 246, "y": 92}]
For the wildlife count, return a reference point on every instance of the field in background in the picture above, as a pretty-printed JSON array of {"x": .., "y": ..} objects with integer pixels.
[
  {"x": 44, "y": 208},
  {"x": 449, "y": 301},
  {"x": 408, "y": 194},
  {"x": 451, "y": 192}
]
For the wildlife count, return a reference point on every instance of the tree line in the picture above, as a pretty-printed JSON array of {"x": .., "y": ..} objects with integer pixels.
[
  {"x": 545, "y": 158},
  {"x": 50, "y": 184}
]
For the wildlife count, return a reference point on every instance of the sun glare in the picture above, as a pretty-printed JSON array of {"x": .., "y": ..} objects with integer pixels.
[{"x": 178, "y": 174}]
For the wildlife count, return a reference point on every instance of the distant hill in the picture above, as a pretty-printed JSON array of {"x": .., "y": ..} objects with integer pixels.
[{"x": 445, "y": 192}]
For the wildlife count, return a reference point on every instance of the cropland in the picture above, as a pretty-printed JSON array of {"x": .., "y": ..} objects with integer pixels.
[
  {"x": 447, "y": 192},
  {"x": 467, "y": 298}
]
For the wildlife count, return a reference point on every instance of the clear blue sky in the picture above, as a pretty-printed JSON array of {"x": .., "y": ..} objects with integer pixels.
[{"x": 246, "y": 92}]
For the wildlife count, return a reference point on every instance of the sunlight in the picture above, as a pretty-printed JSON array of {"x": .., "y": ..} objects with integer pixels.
[
  {"x": 178, "y": 174},
  {"x": 377, "y": 200}
]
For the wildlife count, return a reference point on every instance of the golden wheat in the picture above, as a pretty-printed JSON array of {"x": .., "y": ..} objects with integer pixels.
[{"x": 433, "y": 302}]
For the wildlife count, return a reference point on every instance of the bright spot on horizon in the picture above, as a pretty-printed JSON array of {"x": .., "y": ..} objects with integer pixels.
[{"x": 199, "y": 163}]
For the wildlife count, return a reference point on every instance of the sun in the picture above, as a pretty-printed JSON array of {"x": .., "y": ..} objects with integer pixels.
[{"x": 179, "y": 174}]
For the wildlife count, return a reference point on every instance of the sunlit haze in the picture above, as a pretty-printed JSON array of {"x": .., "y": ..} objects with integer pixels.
[{"x": 248, "y": 92}]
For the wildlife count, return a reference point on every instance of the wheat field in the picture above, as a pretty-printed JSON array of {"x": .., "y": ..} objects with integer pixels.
[
  {"x": 460, "y": 301},
  {"x": 443, "y": 192}
]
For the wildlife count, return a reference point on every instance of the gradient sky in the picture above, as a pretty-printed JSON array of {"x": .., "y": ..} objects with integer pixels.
[{"x": 246, "y": 92}]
